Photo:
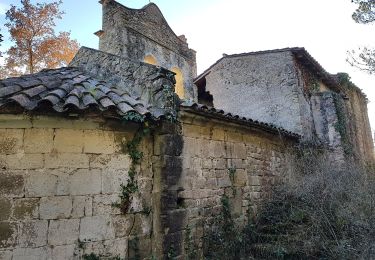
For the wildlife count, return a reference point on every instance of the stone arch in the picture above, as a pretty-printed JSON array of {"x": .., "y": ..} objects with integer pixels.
[
  {"x": 179, "y": 88},
  {"x": 150, "y": 59}
]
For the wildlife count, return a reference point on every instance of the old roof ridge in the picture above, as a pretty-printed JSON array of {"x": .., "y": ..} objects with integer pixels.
[{"x": 146, "y": 8}]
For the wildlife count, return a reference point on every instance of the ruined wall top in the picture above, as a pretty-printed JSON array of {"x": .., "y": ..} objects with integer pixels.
[{"x": 150, "y": 22}]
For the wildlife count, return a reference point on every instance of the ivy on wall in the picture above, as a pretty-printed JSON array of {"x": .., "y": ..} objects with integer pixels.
[
  {"x": 132, "y": 148},
  {"x": 341, "y": 124}
]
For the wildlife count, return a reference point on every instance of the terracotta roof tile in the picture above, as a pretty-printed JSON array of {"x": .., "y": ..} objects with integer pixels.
[{"x": 69, "y": 88}]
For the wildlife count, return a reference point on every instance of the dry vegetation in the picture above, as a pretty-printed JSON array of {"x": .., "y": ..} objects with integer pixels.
[{"x": 321, "y": 212}]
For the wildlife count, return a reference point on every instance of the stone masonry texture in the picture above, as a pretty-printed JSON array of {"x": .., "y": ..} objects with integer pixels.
[
  {"x": 57, "y": 199},
  {"x": 138, "y": 33},
  {"x": 57, "y": 187},
  {"x": 262, "y": 87}
]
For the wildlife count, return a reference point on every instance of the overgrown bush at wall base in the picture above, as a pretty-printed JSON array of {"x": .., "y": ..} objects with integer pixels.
[{"x": 327, "y": 214}]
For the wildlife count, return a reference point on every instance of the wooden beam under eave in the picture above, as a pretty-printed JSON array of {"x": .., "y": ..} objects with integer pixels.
[{"x": 99, "y": 33}]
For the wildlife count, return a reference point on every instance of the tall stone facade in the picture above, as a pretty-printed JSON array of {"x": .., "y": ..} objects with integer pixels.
[
  {"x": 288, "y": 88},
  {"x": 144, "y": 35},
  {"x": 262, "y": 87}
]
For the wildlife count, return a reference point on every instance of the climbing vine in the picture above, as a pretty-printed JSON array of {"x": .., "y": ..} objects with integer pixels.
[
  {"x": 344, "y": 80},
  {"x": 231, "y": 172},
  {"x": 132, "y": 148},
  {"x": 341, "y": 124}
]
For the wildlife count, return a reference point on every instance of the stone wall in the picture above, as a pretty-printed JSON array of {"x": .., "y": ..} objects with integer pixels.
[
  {"x": 136, "y": 34},
  {"x": 263, "y": 87},
  {"x": 58, "y": 181},
  {"x": 210, "y": 148},
  {"x": 359, "y": 125},
  {"x": 60, "y": 177}
]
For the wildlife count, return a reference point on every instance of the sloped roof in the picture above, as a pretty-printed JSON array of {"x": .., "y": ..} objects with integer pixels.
[
  {"x": 94, "y": 81},
  {"x": 68, "y": 89},
  {"x": 222, "y": 115}
]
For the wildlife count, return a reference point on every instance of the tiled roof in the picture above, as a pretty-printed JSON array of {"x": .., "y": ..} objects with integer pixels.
[
  {"x": 69, "y": 89},
  {"x": 222, "y": 115}
]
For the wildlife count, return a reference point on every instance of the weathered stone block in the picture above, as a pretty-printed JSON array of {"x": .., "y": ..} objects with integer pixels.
[
  {"x": 40, "y": 184},
  {"x": 218, "y": 134},
  {"x": 84, "y": 182},
  {"x": 23, "y": 161},
  {"x": 6, "y": 255},
  {"x": 189, "y": 146},
  {"x": 8, "y": 234},
  {"x": 240, "y": 178},
  {"x": 63, "y": 232},
  {"x": 68, "y": 141},
  {"x": 142, "y": 225},
  {"x": 98, "y": 142},
  {"x": 40, "y": 253},
  {"x": 67, "y": 160},
  {"x": 82, "y": 206},
  {"x": 116, "y": 161},
  {"x": 237, "y": 163},
  {"x": 96, "y": 228},
  {"x": 11, "y": 184},
  {"x": 224, "y": 182},
  {"x": 239, "y": 151},
  {"x": 217, "y": 149},
  {"x": 11, "y": 140},
  {"x": 117, "y": 247},
  {"x": 191, "y": 130},
  {"x": 64, "y": 123},
  {"x": 55, "y": 207},
  {"x": 33, "y": 233},
  {"x": 199, "y": 183},
  {"x": 5, "y": 209},
  {"x": 211, "y": 183},
  {"x": 219, "y": 164},
  {"x": 205, "y": 148},
  {"x": 26, "y": 209},
  {"x": 103, "y": 204},
  {"x": 207, "y": 164},
  {"x": 111, "y": 180},
  {"x": 38, "y": 140},
  {"x": 123, "y": 224},
  {"x": 234, "y": 137},
  {"x": 63, "y": 252},
  {"x": 255, "y": 180}
]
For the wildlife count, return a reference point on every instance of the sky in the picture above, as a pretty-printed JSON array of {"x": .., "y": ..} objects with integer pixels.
[{"x": 214, "y": 27}]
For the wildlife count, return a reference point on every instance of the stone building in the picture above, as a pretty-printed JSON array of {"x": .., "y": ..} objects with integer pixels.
[
  {"x": 102, "y": 157},
  {"x": 145, "y": 35},
  {"x": 289, "y": 88}
]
